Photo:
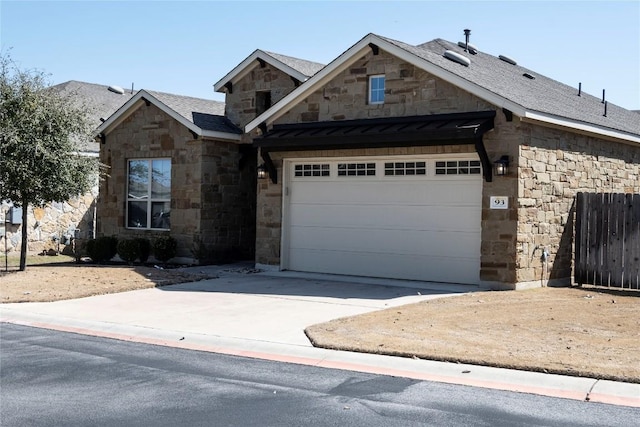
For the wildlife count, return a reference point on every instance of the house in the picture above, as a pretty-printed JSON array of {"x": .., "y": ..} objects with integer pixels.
[
  {"x": 436, "y": 162},
  {"x": 182, "y": 166},
  {"x": 52, "y": 226},
  {"x": 177, "y": 166}
]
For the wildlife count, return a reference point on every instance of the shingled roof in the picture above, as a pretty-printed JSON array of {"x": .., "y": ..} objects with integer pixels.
[
  {"x": 299, "y": 69},
  {"x": 539, "y": 99},
  {"x": 99, "y": 101},
  {"x": 203, "y": 117},
  {"x": 204, "y": 113},
  {"x": 541, "y": 94},
  {"x": 308, "y": 68}
]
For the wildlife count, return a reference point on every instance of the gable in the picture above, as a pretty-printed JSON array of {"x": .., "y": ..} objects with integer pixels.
[
  {"x": 409, "y": 91},
  {"x": 246, "y": 101},
  {"x": 298, "y": 69},
  {"x": 619, "y": 124},
  {"x": 197, "y": 115}
]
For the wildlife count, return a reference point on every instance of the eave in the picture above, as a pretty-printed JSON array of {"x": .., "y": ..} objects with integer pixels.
[
  {"x": 251, "y": 62},
  {"x": 363, "y": 46}
]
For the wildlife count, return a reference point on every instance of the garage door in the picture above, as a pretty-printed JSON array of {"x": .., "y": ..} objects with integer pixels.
[{"x": 405, "y": 218}]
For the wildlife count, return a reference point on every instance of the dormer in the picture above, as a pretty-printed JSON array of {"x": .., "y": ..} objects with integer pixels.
[{"x": 260, "y": 81}]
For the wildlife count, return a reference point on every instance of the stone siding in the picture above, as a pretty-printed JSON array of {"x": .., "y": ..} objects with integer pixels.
[
  {"x": 212, "y": 198},
  {"x": 52, "y": 226},
  {"x": 554, "y": 166},
  {"x": 409, "y": 91},
  {"x": 240, "y": 104},
  {"x": 547, "y": 168}
]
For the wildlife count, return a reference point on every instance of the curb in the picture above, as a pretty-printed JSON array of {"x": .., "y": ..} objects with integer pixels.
[{"x": 574, "y": 388}]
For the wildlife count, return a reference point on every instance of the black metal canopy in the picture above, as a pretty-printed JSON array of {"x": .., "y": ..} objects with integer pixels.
[{"x": 435, "y": 129}]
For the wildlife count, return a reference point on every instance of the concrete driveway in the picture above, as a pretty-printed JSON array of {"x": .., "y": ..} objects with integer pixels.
[{"x": 239, "y": 305}]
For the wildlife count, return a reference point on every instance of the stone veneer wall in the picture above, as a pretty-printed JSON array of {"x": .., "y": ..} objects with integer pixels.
[
  {"x": 554, "y": 166},
  {"x": 52, "y": 225},
  {"x": 547, "y": 168},
  {"x": 212, "y": 199},
  {"x": 409, "y": 91},
  {"x": 240, "y": 104}
]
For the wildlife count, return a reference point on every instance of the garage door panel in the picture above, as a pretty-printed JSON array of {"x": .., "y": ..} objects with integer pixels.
[
  {"x": 396, "y": 192},
  {"x": 414, "y": 217},
  {"x": 385, "y": 241},
  {"x": 406, "y": 227},
  {"x": 436, "y": 269}
]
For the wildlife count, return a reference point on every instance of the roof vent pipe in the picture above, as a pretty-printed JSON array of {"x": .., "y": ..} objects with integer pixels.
[
  {"x": 603, "y": 96},
  {"x": 579, "y": 89},
  {"x": 466, "y": 39},
  {"x": 605, "y": 108}
]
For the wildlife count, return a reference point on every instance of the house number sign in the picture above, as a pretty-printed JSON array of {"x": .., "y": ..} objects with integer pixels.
[{"x": 499, "y": 202}]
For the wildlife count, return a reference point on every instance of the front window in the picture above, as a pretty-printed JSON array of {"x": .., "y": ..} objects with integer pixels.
[
  {"x": 376, "y": 89},
  {"x": 149, "y": 194}
]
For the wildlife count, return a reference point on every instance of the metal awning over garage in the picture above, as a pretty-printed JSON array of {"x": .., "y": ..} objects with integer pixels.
[{"x": 435, "y": 129}]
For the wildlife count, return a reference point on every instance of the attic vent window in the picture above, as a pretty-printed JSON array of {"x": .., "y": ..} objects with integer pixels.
[
  {"x": 456, "y": 57},
  {"x": 508, "y": 60},
  {"x": 529, "y": 76},
  {"x": 263, "y": 101}
]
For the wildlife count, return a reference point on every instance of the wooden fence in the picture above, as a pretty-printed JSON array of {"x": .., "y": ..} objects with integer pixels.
[{"x": 607, "y": 240}]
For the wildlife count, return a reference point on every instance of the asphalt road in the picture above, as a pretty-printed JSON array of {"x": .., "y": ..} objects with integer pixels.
[{"x": 50, "y": 378}]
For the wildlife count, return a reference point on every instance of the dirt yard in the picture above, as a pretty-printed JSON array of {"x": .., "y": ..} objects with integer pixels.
[
  {"x": 58, "y": 281},
  {"x": 573, "y": 331},
  {"x": 583, "y": 332}
]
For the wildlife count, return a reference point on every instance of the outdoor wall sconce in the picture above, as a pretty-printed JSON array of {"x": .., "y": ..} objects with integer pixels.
[
  {"x": 501, "y": 166},
  {"x": 262, "y": 171}
]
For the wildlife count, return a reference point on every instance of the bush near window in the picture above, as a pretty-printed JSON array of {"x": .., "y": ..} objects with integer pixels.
[
  {"x": 129, "y": 250},
  {"x": 144, "y": 247},
  {"x": 164, "y": 248},
  {"x": 102, "y": 249}
]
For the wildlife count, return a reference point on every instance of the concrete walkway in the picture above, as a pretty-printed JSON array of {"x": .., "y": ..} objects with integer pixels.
[{"x": 264, "y": 315}]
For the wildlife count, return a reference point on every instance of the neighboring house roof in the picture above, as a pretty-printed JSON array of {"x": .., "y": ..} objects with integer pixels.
[
  {"x": 488, "y": 77},
  {"x": 297, "y": 68},
  {"x": 203, "y": 117},
  {"x": 98, "y": 100}
]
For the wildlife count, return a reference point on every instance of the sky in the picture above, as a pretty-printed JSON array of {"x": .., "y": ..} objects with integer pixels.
[{"x": 185, "y": 47}]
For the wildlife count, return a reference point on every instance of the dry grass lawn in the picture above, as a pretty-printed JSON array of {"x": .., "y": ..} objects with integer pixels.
[
  {"x": 574, "y": 331},
  {"x": 58, "y": 278}
]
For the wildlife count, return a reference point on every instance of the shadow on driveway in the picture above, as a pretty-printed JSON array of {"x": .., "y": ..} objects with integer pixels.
[{"x": 242, "y": 279}]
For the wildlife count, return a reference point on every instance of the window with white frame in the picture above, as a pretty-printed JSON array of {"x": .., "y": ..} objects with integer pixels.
[
  {"x": 149, "y": 194},
  {"x": 356, "y": 169},
  {"x": 376, "y": 89},
  {"x": 458, "y": 167},
  {"x": 309, "y": 169}
]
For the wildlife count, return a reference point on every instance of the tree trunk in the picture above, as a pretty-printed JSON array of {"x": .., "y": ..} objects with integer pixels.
[{"x": 23, "y": 247}]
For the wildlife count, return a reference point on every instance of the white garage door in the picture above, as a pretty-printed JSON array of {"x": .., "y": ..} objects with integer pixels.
[{"x": 406, "y": 218}]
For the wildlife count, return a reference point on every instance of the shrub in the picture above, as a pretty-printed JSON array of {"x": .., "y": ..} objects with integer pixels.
[
  {"x": 144, "y": 247},
  {"x": 164, "y": 248},
  {"x": 102, "y": 249},
  {"x": 129, "y": 250}
]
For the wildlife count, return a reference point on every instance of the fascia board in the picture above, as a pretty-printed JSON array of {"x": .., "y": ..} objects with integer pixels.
[
  {"x": 134, "y": 103},
  {"x": 548, "y": 119},
  {"x": 322, "y": 77},
  {"x": 248, "y": 64},
  {"x": 120, "y": 114},
  {"x": 452, "y": 78},
  {"x": 221, "y": 135},
  {"x": 352, "y": 54}
]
